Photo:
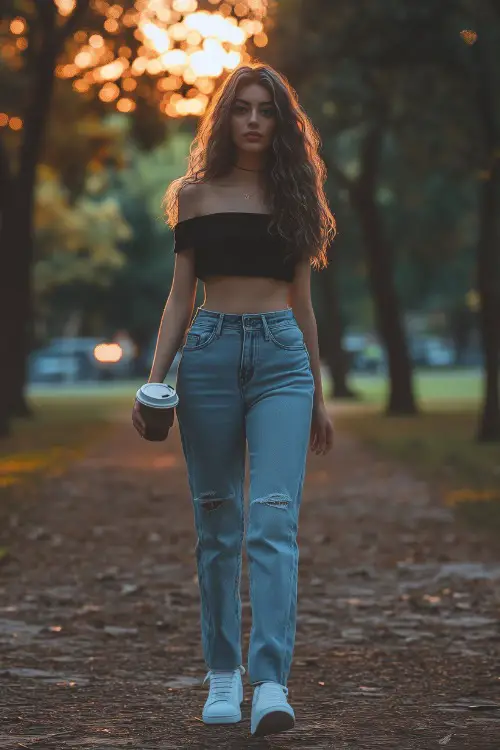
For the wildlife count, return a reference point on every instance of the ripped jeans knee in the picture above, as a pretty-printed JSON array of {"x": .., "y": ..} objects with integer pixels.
[
  {"x": 274, "y": 500},
  {"x": 209, "y": 501}
]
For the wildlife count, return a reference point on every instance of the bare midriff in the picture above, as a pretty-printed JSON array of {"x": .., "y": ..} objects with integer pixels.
[{"x": 242, "y": 294}]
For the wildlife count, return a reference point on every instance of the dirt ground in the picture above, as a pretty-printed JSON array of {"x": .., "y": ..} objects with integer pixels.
[{"x": 398, "y": 638}]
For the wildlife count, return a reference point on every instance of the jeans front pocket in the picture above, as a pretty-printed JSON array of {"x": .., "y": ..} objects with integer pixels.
[
  {"x": 287, "y": 335},
  {"x": 200, "y": 335}
]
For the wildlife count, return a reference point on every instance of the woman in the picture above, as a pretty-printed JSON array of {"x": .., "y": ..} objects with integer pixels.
[{"x": 250, "y": 218}]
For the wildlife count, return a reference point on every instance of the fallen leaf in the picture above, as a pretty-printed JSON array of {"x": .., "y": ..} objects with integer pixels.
[
  {"x": 445, "y": 740},
  {"x": 483, "y": 707},
  {"x": 129, "y": 588},
  {"x": 117, "y": 631}
]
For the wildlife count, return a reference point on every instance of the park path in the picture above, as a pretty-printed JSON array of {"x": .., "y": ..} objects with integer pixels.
[{"x": 398, "y": 633}]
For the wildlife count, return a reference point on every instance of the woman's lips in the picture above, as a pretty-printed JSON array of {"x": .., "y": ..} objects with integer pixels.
[{"x": 252, "y": 136}]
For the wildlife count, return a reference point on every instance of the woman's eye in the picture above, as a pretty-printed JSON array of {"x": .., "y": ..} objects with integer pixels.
[
  {"x": 268, "y": 112},
  {"x": 239, "y": 109}
]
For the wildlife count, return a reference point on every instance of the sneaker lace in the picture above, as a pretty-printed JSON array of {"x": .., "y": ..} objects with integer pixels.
[
  {"x": 221, "y": 683},
  {"x": 275, "y": 691}
]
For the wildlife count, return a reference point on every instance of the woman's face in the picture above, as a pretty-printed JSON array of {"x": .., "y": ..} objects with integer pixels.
[{"x": 253, "y": 118}]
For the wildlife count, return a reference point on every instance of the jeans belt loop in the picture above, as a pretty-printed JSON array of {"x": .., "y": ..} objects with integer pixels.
[
  {"x": 219, "y": 325},
  {"x": 265, "y": 326}
]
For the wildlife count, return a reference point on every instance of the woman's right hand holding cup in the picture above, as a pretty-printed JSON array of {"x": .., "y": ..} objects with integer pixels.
[
  {"x": 153, "y": 412},
  {"x": 137, "y": 419}
]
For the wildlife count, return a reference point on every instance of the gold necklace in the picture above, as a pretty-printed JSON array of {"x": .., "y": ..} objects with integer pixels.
[{"x": 247, "y": 196}]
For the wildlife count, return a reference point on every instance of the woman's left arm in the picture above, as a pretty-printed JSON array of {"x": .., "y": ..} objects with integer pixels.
[
  {"x": 307, "y": 323},
  {"x": 299, "y": 299}
]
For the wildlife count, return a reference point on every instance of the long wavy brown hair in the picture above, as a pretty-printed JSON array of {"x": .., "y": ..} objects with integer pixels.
[{"x": 295, "y": 172}]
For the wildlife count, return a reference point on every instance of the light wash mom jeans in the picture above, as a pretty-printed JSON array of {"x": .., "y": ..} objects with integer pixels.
[{"x": 246, "y": 379}]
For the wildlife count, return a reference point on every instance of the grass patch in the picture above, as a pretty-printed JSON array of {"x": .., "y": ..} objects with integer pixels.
[
  {"x": 63, "y": 426},
  {"x": 439, "y": 442},
  {"x": 445, "y": 385},
  {"x": 439, "y": 445}
]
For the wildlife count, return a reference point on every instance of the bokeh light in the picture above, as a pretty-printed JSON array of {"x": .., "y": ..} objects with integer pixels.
[
  {"x": 15, "y": 123},
  {"x": 183, "y": 47},
  {"x": 17, "y": 26},
  {"x": 65, "y": 7},
  {"x": 108, "y": 353},
  {"x": 109, "y": 92},
  {"x": 469, "y": 36},
  {"x": 125, "y": 105}
]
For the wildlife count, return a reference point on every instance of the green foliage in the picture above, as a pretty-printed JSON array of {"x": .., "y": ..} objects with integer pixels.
[
  {"x": 76, "y": 242},
  {"x": 409, "y": 64},
  {"x": 438, "y": 445},
  {"x": 106, "y": 252},
  {"x": 139, "y": 291}
]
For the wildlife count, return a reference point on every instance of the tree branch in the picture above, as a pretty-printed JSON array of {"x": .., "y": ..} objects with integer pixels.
[
  {"x": 5, "y": 174},
  {"x": 71, "y": 25},
  {"x": 370, "y": 152},
  {"x": 6, "y": 185},
  {"x": 7, "y": 9},
  {"x": 47, "y": 12}
]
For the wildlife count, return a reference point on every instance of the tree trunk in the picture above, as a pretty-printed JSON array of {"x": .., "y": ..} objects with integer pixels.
[
  {"x": 379, "y": 257},
  {"x": 330, "y": 335},
  {"x": 14, "y": 314},
  {"x": 7, "y": 288},
  {"x": 23, "y": 342},
  {"x": 16, "y": 227},
  {"x": 487, "y": 265},
  {"x": 16, "y": 241},
  {"x": 489, "y": 313},
  {"x": 460, "y": 329}
]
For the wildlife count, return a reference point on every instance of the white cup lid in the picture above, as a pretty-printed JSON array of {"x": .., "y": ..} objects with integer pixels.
[{"x": 157, "y": 395}]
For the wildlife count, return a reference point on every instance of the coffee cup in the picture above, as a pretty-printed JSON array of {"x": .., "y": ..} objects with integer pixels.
[{"x": 156, "y": 401}]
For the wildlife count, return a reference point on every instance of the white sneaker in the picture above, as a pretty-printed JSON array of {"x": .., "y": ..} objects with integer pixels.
[
  {"x": 225, "y": 697},
  {"x": 271, "y": 712}
]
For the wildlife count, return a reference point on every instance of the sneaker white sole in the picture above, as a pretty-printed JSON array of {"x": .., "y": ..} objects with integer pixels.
[
  {"x": 274, "y": 722},
  {"x": 233, "y": 719}
]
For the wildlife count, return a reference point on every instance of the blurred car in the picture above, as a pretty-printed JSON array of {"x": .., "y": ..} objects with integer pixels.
[
  {"x": 78, "y": 359},
  {"x": 431, "y": 351}
]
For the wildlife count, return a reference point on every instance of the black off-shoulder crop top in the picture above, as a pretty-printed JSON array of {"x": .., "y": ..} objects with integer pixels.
[{"x": 234, "y": 244}]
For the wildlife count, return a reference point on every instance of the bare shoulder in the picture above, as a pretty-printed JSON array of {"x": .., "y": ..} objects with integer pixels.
[{"x": 190, "y": 200}]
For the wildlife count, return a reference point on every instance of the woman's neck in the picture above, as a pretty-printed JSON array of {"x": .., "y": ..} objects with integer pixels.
[{"x": 246, "y": 162}]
